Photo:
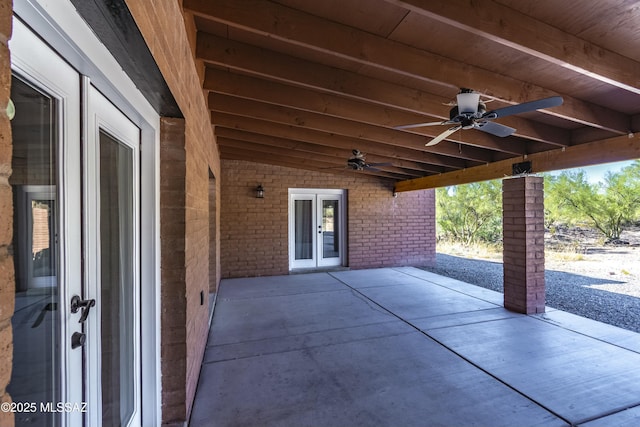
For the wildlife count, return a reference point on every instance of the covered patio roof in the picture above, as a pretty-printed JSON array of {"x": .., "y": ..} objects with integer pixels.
[{"x": 302, "y": 83}]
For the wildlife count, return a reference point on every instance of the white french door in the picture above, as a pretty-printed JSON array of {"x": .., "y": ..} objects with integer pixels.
[
  {"x": 316, "y": 228},
  {"x": 112, "y": 257},
  {"x": 77, "y": 318}
]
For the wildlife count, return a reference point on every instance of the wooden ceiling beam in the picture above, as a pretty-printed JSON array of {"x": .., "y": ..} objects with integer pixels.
[
  {"x": 228, "y": 123},
  {"x": 316, "y": 137},
  {"x": 260, "y": 89},
  {"x": 328, "y": 37},
  {"x": 234, "y": 154},
  {"x": 525, "y": 34},
  {"x": 335, "y": 126},
  {"x": 309, "y": 120},
  {"x": 294, "y": 71},
  {"x": 592, "y": 153},
  {"x": 310, "y": 149},
  {"x": 258, "y": 131},
  {"x": 225, "y": 82},
  {"x": 339, "y": 163}
]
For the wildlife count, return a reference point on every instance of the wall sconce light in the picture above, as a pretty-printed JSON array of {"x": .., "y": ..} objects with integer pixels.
[{"x": 260, "y": 192}]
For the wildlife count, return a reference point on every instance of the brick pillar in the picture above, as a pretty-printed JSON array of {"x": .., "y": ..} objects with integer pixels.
[{"x": 523, "y": 244}]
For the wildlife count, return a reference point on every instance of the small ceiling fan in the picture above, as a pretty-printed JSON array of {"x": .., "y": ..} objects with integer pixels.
[
  {"x": 358, "y": 162},
  {"x": 471, "y": 113}
]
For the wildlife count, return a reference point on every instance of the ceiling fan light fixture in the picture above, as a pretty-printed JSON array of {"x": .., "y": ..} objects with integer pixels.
[{"x": 468, "y": 102}]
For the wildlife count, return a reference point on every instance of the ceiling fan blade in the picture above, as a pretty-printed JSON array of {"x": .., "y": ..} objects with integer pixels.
[
  {"x": 494, "y": 128},
  {"x": 443, "y": 135},
  {"x": 380, "y": 164},
  {"x": 525, "y": 107},
  {"x": 419, "y": 125}
]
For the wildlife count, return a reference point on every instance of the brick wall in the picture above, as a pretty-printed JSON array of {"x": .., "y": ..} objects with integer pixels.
[
  {"x": 163, "y": 28},
  {"x": 172, "y": 270},
  {"x": 214, "y": 242},
  {"x": 523, "y": 244},
  {"x": 7, "y": 281},
  {"x": 382, "y": 231},
  {"x": 196, "y": 261}
]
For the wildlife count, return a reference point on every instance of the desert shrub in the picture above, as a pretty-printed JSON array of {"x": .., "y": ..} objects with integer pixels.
[
  {"x": 470, "y": 213},
  {"x": 607, "y": 206}
]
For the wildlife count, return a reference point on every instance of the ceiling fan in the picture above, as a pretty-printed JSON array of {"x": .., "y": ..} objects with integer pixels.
[
  {"x": 471, "y": 113},
  {"x": 358, "y": 162}
]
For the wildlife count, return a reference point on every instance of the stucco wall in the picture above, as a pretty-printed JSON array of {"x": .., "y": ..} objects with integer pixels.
[{"x": 382, "y": 231}]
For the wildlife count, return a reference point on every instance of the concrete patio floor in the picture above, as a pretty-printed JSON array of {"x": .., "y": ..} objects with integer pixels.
[{"x": 405, "y": 347}]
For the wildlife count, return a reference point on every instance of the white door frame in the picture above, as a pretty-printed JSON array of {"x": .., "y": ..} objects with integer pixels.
[
  {"x": 60, "y": 25},
  {"x": 316, "y": 196}
]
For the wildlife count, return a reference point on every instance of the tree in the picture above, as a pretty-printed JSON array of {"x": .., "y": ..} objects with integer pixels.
[
  {"x": 607, "y": 206},
  {"x": 471, "y": 212}
]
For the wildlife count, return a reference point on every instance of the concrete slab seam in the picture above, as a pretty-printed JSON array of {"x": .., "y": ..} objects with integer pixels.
[
  {"x": 305, "y": 347},
  {"x": 443, "y": 345},
  {"x": 559, "y": 325},
  {"x": 605, "y": 414},
  {"x": 449, "y": 288}
]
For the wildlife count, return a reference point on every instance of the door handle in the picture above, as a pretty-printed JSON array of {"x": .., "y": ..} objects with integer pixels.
[{"x": 85, "y": 304}]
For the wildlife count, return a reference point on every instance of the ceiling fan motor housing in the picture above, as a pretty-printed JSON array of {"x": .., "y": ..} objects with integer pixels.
[{"x": 356, "y": 163}]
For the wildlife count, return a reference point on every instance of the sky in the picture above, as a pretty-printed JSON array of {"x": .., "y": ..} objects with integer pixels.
[{"x": 597, "y": 173}]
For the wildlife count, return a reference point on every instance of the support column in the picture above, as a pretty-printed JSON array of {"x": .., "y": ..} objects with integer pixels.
[{"x": 523, "y": 244}]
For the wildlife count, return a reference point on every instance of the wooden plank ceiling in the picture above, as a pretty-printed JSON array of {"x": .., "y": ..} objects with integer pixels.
[{"x": 302, "y": 83}]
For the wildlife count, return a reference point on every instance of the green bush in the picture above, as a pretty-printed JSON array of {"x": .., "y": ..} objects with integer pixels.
[
  {"x": 470, "y": 213},
  {"x": 608, "y": 206}
]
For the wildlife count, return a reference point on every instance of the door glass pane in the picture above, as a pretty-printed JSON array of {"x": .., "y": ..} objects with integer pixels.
[
  {"x": 330, "y": 228},
  {"x": 35, "y": 374},
  {"x": 117, "y": 281},
  {"x": 303, "y": 224}
]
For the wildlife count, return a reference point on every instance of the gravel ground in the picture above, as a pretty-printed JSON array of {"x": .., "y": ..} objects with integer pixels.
[{"x": 603, "y": 284}]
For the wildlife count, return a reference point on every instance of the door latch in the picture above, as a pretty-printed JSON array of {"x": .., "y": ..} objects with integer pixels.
[
  {"x": 78, "y": 339},
  {"x": 85, "y": 304}
]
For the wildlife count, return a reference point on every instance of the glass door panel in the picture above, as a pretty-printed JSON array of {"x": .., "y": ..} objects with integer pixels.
[
  {"x": 330, "y": 229},
  {"x": 113, "y": 268},
  {"x": 116, "y": 281},
  {"x": 36, "y": 372},
  {"x": 303, "y": 229},
  {"x": 47, "y": 369}
]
